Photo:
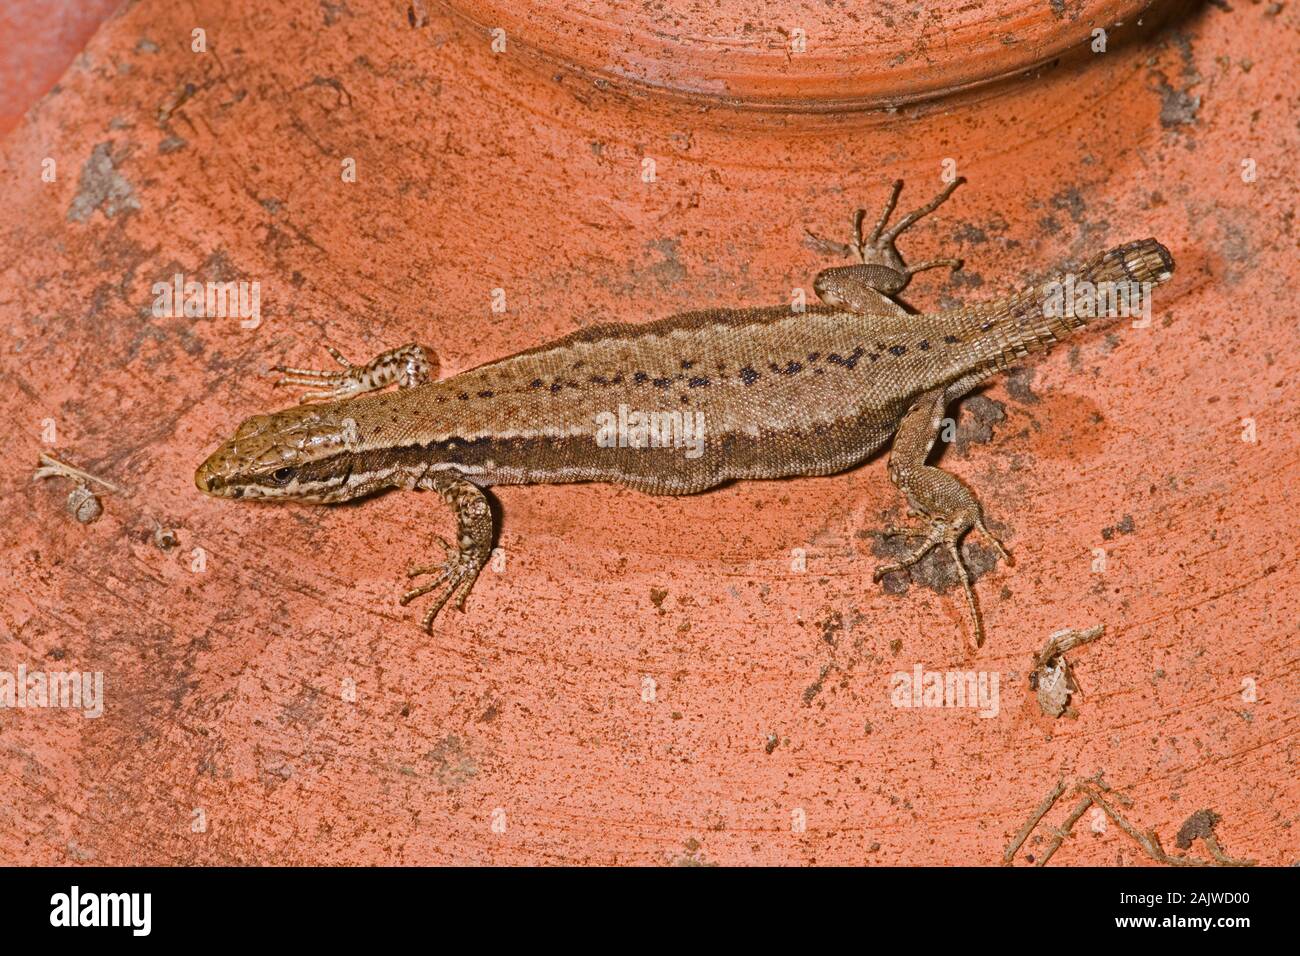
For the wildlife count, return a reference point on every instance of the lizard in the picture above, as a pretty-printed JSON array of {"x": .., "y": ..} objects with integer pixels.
[{"x": 784, "y": 393}]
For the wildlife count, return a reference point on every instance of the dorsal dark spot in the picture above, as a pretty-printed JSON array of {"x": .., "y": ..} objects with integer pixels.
[
  {"x": 640, "y": 377},
  {"x": 536, "y": 383},
  {"x": 748, "y": 375},
  {"x": 836, "y": 359},
  {"x": 687, "y": 363},
  {"x": 486, "y": 393},
  {"x": 698, "y": 382},
  {"x": 923, "y": 345},
  {"x": 898, "y": 350},
  {"x": 951, "y": 339},
  {"x": 555, "y": 387},
  {"x": 661, "y": 382}
]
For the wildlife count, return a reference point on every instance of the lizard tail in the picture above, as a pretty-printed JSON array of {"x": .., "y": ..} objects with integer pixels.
[
  {"x": 1115, "y": 283},
  {"x": 1143, "y": 261}
]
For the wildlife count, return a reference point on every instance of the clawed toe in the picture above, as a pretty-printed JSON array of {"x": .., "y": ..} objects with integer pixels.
[
  {"x": 449, "y": 553},
  {"x": 828, "y": 246},
  {"x": 884, "y": 569},
  {"x": 325, "y": 385},
  {"x": 877, "y": 246}
]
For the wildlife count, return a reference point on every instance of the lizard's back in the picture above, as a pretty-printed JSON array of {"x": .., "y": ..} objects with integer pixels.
[{"x": 730, "y": 394}]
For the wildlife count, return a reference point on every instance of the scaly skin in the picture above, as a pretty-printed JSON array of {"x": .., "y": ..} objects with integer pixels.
[{"x": 778, "y": 394}]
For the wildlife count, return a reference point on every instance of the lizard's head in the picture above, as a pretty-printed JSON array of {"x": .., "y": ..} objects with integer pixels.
[{"x": 305, "y": 454}]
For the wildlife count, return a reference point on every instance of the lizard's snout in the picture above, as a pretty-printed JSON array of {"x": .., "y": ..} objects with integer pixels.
[
  {"x": 207, "y": 478},
  {"x": 203, "y": 479}
]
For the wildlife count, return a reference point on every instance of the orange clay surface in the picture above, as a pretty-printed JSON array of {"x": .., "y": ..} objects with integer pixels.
[{"x": 644, "y": 680}]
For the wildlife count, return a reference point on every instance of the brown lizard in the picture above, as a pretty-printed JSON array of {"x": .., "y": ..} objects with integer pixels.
[{"x": 716, "y": 395}]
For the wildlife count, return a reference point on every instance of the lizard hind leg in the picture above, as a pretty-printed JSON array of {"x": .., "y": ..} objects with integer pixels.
[
  {"x": 950, "y": 505},
  {"x": 869, "y": 286}
]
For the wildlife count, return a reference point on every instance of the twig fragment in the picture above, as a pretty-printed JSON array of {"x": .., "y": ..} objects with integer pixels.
[
  {"x": 1060, "y": 833},
  {"x": 1093, "y": 791},
  {"x": 51, "y": 467},
  {"x": 1032, "y": 822}
]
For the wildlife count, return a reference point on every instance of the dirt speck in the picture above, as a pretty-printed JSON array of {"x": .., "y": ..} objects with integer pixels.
[
  {"x": 1125, "y": 525},
  {"x": 812, "y": 690},
  {"x": 1020, "y": 382},
  {"x": 669, "y": 271},
  {"x": 831, "y": 626},
  {"x": 101, "y": 187},
  {"x": 1177, "y": 107},
  {"x": 1198, "y": 826},
  {"x": 1070, "y": 201},
  {"x": 975, "y": 420},
  {"x": 453, "y": 765}
]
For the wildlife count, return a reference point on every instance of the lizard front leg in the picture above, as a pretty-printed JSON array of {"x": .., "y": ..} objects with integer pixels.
[
  {"x": 869, "y": 288},
  {"x": 407, "y": 366},
  {"x": 455, "y": 576},
  {"x": 951, "y": 507}
]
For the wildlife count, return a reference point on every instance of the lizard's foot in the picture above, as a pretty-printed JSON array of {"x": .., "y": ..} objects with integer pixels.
[
  {"x": 882, "y": 269},
  {"x": 407, "y": 366},
  {"x": 934, "y": 537},
  {"x": 938, "y": 534},
  {"x": 455, "y": 577},
  {"x": 457, "y": 574},
  {"x": 948, "y": 535},
  {"x": 878, "y": 248},
  {"x": 892, "y": 531}
]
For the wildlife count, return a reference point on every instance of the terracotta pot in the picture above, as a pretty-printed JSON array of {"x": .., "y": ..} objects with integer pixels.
[{"x": 646, "y": 680}]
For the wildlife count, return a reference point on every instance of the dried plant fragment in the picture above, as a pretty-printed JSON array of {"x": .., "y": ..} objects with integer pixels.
[
  {"x": 1052, "y": 678},
  {"x": 1094, "y": 792},
  {"x": 82, "y": 503}
]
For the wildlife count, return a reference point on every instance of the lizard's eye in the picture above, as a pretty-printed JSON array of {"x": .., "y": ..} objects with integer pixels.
[{"x": 281, "y": 476}]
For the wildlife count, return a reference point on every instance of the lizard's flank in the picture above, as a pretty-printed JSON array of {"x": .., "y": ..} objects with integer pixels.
[{"x": 682, "y": 404}]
